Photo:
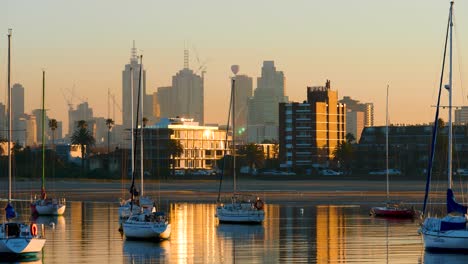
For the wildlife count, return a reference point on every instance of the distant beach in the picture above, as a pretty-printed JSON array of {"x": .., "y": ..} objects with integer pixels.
[{"x": 273, "y": 191}]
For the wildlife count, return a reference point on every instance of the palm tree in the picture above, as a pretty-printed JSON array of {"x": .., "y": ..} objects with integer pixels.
[
  {"x": 175, "y": 149},
  {"x": 253, "y": 156},
  {"x": 53, "y": 126},
  {"x": 82, "y": 136},
  {"x": 109, "y": 124}
]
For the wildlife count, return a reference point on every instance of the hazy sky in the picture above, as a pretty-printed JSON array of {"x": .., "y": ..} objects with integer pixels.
[{"x": 360, "y": 45}]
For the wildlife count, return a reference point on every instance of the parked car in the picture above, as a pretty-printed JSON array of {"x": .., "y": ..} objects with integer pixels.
[
  {"x": 462, "y": 172},
  {"x": 384, "y": 172},
  {"x": 328, "y": 172}
]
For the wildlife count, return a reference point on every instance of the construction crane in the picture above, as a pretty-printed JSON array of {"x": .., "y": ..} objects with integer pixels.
[
  {"x": 114, "y": 104},
  {"x": 201, "y": 65}
]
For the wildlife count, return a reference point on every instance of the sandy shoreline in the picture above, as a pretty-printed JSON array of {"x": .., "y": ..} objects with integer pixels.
[{"x": 309, "y": 191}]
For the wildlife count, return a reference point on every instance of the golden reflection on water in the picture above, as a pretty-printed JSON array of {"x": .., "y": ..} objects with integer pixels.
[{"x": 292, "y": 233}]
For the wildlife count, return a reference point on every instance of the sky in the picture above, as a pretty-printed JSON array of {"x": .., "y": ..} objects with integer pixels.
[{"x": 361, "y": 46}]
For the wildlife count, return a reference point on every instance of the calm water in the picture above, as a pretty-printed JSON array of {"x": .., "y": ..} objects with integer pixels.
[{"x": 292, "y": 233}]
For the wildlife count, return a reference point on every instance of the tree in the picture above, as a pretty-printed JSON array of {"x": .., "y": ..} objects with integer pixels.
[
  {"x": 109, "y": 124},
  {"x": 343, "y": 153},
  {"x": 82, "y": 136},
  {"x": 253, "y": 155},
  {"x": 53, "y": 126},
  {"x": 175, "y": 149}
]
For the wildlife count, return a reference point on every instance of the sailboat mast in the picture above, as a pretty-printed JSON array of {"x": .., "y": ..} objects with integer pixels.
[
  {"x": 450, "y": 88},
  {"x": 141, "y": 130},
  {"x": 43, "y": 132},
  {"x": 9, "y": 115},
  {"x": 386, "y": 146},
  {"x": 234, "y": 130},
  {"x": 132, "y": 135}
]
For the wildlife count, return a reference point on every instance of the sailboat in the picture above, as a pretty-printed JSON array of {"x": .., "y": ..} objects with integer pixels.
[
  {"x": 449, "y": 232},
  {"x": 45, "y": 205},
  {"x": 392, "y": 208},
  {"x": 144, "y": 225},
  {"x": 241, "y": 208},
  {"x": 129, "y": 206},
  {"x": 17, "y": 239}
]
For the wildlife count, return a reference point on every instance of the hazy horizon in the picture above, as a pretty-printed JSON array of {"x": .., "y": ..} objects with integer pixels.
[{"x": 361, "y": 46}]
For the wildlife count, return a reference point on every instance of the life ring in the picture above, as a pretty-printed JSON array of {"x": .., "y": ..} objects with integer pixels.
[
  {"x": 259, "y": 204},
  {"x": 33, "y": 229}
]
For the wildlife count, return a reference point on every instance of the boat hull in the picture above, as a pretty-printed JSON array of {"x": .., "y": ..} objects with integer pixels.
[
  {"x": 393, "y": 212},
  {"x": 146, "y": 231},
  {"x": 453, "y": 240},
  {"x": 239, "y": 214},
  {"x": 21, "y": 245},
  {"x": 50, "y": 209}
]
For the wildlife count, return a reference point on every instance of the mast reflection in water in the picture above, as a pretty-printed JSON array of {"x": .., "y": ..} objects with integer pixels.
[{"x": 295, "y": 233}]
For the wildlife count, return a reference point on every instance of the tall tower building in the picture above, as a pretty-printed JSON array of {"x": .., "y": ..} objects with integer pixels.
[
  {"x": 356, "y": 106},
  {"x": 187, "y": 95},
  {"x": 243, "y": 90},
  {"x": 164, "y": 100},
  {"x": 310, "y": 131},
  {"x": 17, "y": 111},
  {"x": 263, "y": 107},
  {"x": 130, "y": 84},
  {"x": 82, "y": 112},
  {"x": 3, "y": 121},
  {"x": 461, "y": 116}
]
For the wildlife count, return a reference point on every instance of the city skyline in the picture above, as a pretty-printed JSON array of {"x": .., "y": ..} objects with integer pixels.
[{"x": 360, "y": 46}]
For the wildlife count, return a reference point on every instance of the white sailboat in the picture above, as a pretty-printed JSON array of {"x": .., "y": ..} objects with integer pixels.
[
  {"x": 393, "y": 209},
  {"x": 142, "y": 203},
  {"x": 449, "y": 232},
  {"x": 45, "y": 205},
  {"x": 17, "y": 239},
  {"x": 242, "y": 208},
  {"x": 144, "y": 225}
]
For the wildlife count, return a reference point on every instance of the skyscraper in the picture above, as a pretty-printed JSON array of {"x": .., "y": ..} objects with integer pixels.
[
  {"x": 17, "y": 111},
  {"x": 188, "y": 96},
  {"x": 3, "y": 121},
  {"x": 82, "y": 112},
  {"x": 263, "y": 107},
  {"x": 243, "y": 93},
  {"x": 130, "y": 90},
  {"x": 356, "y": 106},
  {"x": 164, "y": 101}
]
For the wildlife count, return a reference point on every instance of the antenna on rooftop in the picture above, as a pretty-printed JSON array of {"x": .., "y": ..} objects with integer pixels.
[{"x": 186, "y": 57}]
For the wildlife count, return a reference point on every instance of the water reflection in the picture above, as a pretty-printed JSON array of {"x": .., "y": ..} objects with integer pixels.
[
  {"x": 88, "y": 233},
  {"x": 439, "y": 257},
  {"x": 146, "y": 252}
]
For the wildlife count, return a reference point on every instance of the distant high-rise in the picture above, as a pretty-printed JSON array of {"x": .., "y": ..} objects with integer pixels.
[
  {"x": 37, "y": 114},
  {"x": 30, "y": 125},
  {"x": 310, "y": 131},
  {"x": 356, "y": 106},
  {"x": 132, "y": 72},
  {"x": 82, "y": 112},
  {"x": 188, "y": 96},
  {"x": 243, "y": 90},
  {"x": 263, "y": 107},
  {"x": 461, "y": 116},
  {"x": 165, "y": 102},
  {"x": 3, "y": 121},
  {"x": 17, "y": 111}
]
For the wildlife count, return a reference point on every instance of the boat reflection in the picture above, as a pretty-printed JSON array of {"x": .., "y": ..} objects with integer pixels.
[
  {"x": 50, "y": 221},
  {"x": 235, "y": 231},
  {"x": 27, "y": 260},
  {"x": 442, "y": 257},
  {"x": 145, "y": 251}
]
